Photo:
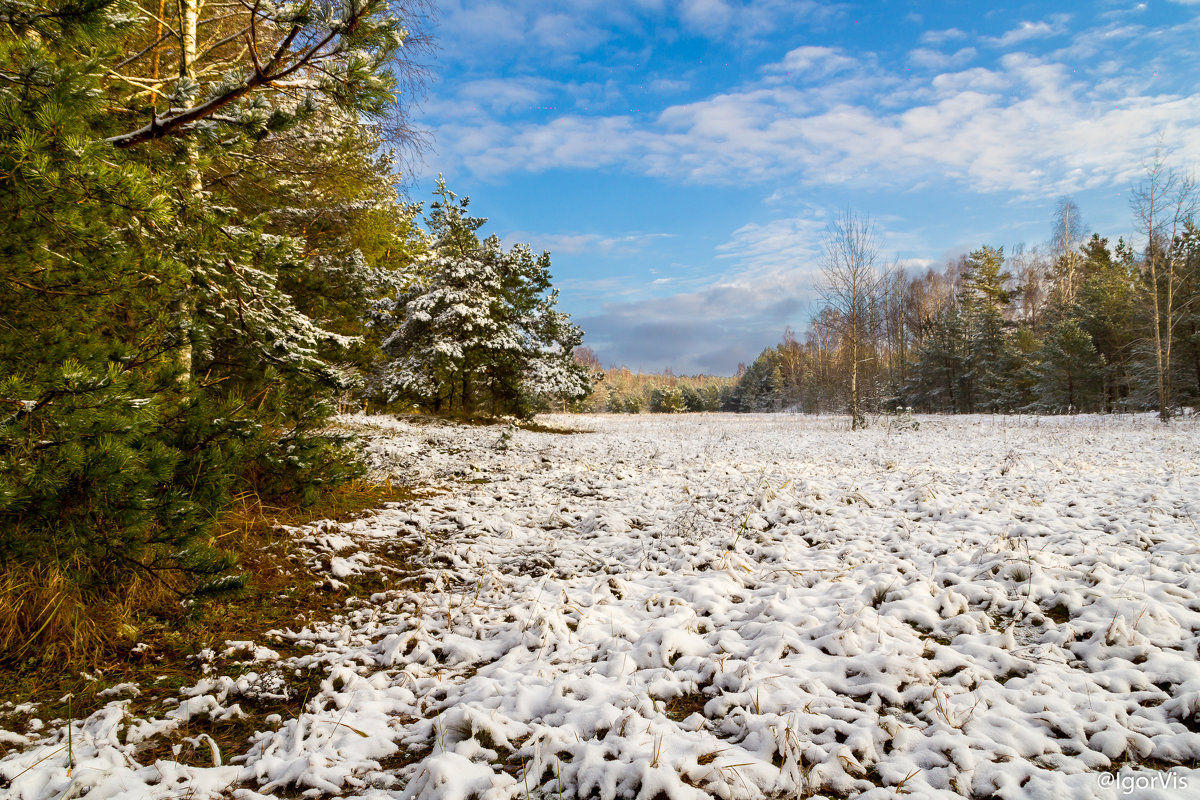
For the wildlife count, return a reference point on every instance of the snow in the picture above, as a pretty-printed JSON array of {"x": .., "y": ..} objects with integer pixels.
[{"x": 737, "y": 607}]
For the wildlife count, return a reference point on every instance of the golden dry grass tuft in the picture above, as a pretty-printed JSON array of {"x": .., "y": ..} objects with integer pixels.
[
  {"x": 58, "y": 641},
  {"x": 45, "y": 616}
]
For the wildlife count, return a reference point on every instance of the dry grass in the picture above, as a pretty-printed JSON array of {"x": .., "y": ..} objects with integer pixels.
[
  {"x": 46, "y": 617},
  {"x": 57, "y": 641},
  {"x": 682, "y": 707}
]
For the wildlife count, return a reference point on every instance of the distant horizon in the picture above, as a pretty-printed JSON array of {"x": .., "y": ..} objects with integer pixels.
[{"x": 672, "y": 370}]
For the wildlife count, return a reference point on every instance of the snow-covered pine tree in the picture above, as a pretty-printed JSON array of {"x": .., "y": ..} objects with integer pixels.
[
  {"x": 270, "y": 140},
  {"x": 293, "y": 238},
  {"x": 545, "y": 369},
  {"x": 984, "y": 297},
  {"x": 477, "y": 330}
]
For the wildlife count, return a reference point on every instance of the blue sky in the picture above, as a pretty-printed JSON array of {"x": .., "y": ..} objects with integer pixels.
[{"x": 681, "y": 159}]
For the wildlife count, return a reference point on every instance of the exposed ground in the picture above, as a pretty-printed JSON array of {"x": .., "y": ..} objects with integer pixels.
[{"x": 696, "y": 606}]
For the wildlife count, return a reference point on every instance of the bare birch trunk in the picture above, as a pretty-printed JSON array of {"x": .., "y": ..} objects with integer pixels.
[{"x": 189, "y": 16}]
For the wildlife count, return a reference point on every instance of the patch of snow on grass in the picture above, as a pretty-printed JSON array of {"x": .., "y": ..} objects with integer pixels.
[{"x": 737, "y": 607}]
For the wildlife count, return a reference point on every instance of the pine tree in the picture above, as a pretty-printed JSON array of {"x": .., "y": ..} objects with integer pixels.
[
  {"x": 175, "y": 313},
  {"x": 938, "y": 377},
  {"x": 984, "y": 298},
  {"x": 1188, "y": 365},
  {"x": 100, "y": 470},
  {"x": 477, "y": 328},
  {"x": 1106, "y": 308},
  {"x": 1070, "y": 371}
]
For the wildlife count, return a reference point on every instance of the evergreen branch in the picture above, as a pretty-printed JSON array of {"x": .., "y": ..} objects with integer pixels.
[
  {"x": 56, "y": 292},
  {"x": 158, "y": 129},
  {"x": 181, "y": 120}
]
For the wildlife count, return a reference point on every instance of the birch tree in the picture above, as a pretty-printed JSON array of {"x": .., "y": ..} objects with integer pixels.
[
  {"x": 849, "y": 283},
  {"x": 1064, "y": 248},
  {"x": 1163, "y": 203}
]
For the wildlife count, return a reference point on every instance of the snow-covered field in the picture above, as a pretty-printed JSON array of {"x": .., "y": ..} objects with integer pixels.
[{"x": 734, "y": 607}]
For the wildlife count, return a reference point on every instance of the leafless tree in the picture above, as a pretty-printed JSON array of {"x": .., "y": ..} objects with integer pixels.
[
  {"x": 1029, "y": 269},
  {"x": 1162, "y": 205},
  {"x": 1064, "y": 248},
  {"x": 850, "y": 279}
]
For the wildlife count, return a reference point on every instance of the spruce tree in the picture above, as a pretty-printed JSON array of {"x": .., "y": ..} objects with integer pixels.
[
  {"x": 938, "y": 377},
  {"x": 1187, "y": 353}
]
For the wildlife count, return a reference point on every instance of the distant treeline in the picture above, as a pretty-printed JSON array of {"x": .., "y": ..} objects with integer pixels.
[
  {"x": 1077, "y": 325},
  {"x": 1093, "y": 328},
  {"x": 618, "y": 390}
]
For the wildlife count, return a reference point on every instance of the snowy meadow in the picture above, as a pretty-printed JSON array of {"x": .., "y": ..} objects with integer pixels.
[{"x": 693, "y": 606}]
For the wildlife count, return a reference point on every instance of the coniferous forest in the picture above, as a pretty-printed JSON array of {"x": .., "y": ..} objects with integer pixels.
[{"x": 206, "y": 250}]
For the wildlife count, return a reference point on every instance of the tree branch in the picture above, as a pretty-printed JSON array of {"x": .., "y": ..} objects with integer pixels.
[{"x": 180, "y": 120}]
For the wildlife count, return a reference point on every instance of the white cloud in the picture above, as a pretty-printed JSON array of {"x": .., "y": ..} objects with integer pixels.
[
  {"x": 505, "y": 95},
  {"x": 592, "y": 243},
  {"x": 1055, "y": 26},
  {"x": 942, "y": 36},
  {"x": 970, "y": 80},
  {"x": 1090, "y": 43},
  {"x": 486, "y": 22},
  {"x": 795, "y": 245},
  {"x": 936, "y": 59},
  {"x": 792, "y": 243},
  {"x": 1028, "y": 125},
  {"x": 1136, "y": 8},
  {"x": 749, "y": 19},
  {"x": 706, "y": 16},
  {"x": 813, "y": 63},
  {"x": 570, "y": 141},
  {"x": 567, "y": 33}
]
